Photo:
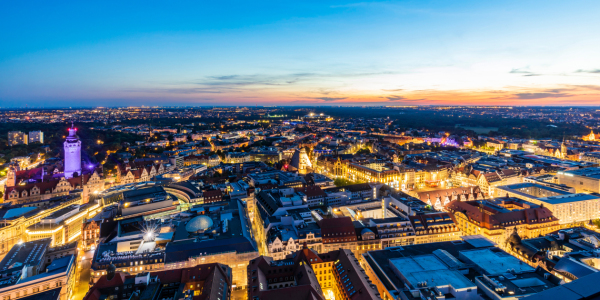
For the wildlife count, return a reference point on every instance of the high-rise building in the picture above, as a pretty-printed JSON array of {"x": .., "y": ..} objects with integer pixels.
[
  {"x": 17, "y": 138},
  {"x": 36, "y": 137},
  {"x": 72, "y": 153}
]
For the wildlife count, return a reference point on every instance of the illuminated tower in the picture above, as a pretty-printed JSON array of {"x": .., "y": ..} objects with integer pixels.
[{"x": 72, "y": 153}]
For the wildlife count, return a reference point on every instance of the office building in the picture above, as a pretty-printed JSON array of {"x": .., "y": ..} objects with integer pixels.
[
  {"x": 17, "y": 138},
  {"x": 453, "y": 270},
  {"x": 583, "y": 180},
  {"x": 36, "y": 137}
]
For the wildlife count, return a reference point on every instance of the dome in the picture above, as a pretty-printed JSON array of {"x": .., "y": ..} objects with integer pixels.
[
  {"x": 199, "y": 223},
  {"x": 514, "y": 238}
]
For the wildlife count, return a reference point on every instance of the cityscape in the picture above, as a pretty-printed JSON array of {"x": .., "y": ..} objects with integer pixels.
[
  {"x": 318, "y": 202},
  {"x": 308, "y": 150}
]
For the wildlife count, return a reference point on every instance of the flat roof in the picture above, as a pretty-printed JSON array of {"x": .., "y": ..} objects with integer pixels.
[
  {"x": 586, "y": 172},
  {"x": 515, "y": 188},
  {"x": 430, "y": 269},
  {"x": 496, "y": 262},
  {"x": 17, "y": 212},
  {"x": 568, "y": 198}
]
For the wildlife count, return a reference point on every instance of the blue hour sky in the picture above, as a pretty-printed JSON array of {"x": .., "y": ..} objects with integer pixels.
[{"x": 115, "y": 53}]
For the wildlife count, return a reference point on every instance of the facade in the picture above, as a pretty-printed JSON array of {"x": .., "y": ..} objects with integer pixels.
[
  {"x": 17, "y": 218},
  {"x": 47, "y": 186},
  {"x": 307, "y": 274},
  {"x": 201, "y": 282},
  {"x": 36, "y": 137},
  {"x": 573, "y": 208},
  {"x": 440, "y": 198},
  {"x": 489, "y": 181},
  {"x": 17, "y": 138},
  {"x": 62, "y": 226},
  {"x": 434, "y": 228},
  {"x": 593, "y": 157},
  {"x": 25, "y": 274},
  {"x": 139, "y": 171},
  {"x": 496, "y": 219},
  {"x": 583, "y": 180},
  {"x": 72, "y": 147}
]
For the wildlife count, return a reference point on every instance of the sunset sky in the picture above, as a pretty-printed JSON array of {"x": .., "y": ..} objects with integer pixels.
[{"x": 117, "y": 53}]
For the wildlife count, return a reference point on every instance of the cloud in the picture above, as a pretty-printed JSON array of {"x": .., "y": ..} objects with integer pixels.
[
  {"x": 182, "y": 90},
  {"x": 593, "y": 71},
  {"x": 520, "y": 71},
  {"x": 249, "y": 80},
  {"x": 330, "y": 99},
  {"x": 525, "y": 71},
  {"x": 394, "y": 90},
  {"x": 530, "y": 96},
  {"x": 589, "y": 87},
  {"x": 395, "y": 98}
]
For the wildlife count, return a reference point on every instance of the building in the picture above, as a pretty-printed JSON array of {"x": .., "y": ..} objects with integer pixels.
[
  {"x": 569, "y": 207},
  {"x": 35, "y": 185},
  {"x": 150, "y": 202},
  {"x": 581, "y": 289},
  {"x": 211, "y": 233},
  {"x": 313, "y": 195},
  {"x": 62, "y": 226},
  {"x": 270, "y": 279},
  {"x": 591, "y": 137},
  {"x": 453, "y": 270},
  {"x": 433, "y": 228},
  {"x": 237, "y": 157},
  {"x": 593, "y": 157},
  {"x": 489, "y": 181},
  {"x": 440, "y": 198},
  {"x": 201, "y": 282},
  {"x": 36, "y": 137},
  {"x": 25, "y": 186},
  {"x": 307, "y": 274},
  {"x": 573, "y": 208},
  {"x": 72, "y": 147},
  {"x": 300, "y": 162},
  {"x": 17, "y": 138},
  {"x": 583, "y": 180},
  {"x": 373, "y": 172},
  {"x": 277, "y": 178},
  {"x": 139, "y": 171},
  {"x": 568, "y": 253},
  {"x": 26, "y": 272},
  {"x": 495, "y": 219},
  {"x": 17, "y": 218},
  {"x": 90, "y": 235}
]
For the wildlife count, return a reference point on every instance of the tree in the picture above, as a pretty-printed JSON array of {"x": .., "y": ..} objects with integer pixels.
[
  {"x": 342, "y": 182},
  {"x": 363, "y": 151}
]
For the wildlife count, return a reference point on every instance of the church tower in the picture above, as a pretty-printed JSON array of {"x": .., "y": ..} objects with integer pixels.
[
  {"x": 72, "y": 153},
  {"x": 563, "y": 149}
]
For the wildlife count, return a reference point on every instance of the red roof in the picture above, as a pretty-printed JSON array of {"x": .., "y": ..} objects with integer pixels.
[
  {"x": 311, "y": 191},
  {"x": 335, "y": 230}
]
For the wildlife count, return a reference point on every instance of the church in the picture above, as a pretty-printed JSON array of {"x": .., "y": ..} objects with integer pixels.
[
  {"x": 48, "y": 181},
  {"x": 591, "y": 137}
]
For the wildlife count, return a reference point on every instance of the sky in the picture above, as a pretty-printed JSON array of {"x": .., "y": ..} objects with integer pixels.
[{"x": 132, "y": 53}]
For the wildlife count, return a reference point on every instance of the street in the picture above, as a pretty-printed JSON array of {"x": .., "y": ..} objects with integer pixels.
[{"x": 84, "y": 275}]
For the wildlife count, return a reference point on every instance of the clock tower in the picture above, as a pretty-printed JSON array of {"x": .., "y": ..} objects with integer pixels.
[{"x": 72, "y": 153}]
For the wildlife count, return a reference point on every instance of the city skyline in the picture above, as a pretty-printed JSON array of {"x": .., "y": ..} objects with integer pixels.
[{"x": 309, "y": 53}]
